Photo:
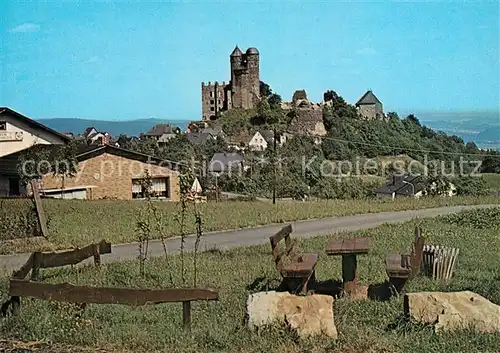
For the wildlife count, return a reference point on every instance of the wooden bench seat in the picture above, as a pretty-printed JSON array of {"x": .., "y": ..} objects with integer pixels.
[
  {"x": 398, "y": 265},
  {"x": 296, "y": 269},
  {"x": 301, "y": 266},
  {"x": 403, "y": 267}
]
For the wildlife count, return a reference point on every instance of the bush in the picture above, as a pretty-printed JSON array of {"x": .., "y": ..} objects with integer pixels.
[
  {"x": 471, "y": 186},
  {"x": 480, "y": 219},
  {"x": 18, "y": 219}
]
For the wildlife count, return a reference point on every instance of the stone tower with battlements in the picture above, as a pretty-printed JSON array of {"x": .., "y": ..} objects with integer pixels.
[{"x": 243, "y": 91}]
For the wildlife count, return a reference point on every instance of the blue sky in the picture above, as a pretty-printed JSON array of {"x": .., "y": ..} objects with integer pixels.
[{"x": 126, "y": 60}]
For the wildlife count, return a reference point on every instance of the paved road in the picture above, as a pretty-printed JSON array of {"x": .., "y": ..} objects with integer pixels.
[{"x": 260, "y": 235}]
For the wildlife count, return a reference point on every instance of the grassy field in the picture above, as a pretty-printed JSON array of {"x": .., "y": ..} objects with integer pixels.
[
  {"x": 364, "y": 326},
  {"x": 493, "y": 180},
  {"x": 78, "y": 223}
]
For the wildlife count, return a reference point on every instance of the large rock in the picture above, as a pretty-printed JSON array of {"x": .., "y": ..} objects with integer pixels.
[
  {"x": 309, "y": 315},
  {"x": 455, "y": 310}
]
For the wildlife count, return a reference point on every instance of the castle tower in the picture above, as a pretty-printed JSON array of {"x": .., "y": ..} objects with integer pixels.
[
  {"x": 243, "y": 91},
  {"x": 245, "y": 82},
  {"x": 253, "y": 81}
]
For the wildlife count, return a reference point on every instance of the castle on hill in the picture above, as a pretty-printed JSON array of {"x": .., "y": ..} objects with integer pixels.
[{"x": 242, "y": 91}]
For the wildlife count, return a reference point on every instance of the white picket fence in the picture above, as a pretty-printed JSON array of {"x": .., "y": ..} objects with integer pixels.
[{"x": 439, "y": 262}]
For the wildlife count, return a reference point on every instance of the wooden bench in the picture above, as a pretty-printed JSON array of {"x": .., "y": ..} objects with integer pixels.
[
  {"x": 401, "y": 268},
  {"x": 296, "y": 269}
]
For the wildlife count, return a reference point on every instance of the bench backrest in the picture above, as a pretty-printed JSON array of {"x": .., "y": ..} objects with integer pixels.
[
  {"x": 416, "y": 253},
  {"x": 281, "y": 253}
]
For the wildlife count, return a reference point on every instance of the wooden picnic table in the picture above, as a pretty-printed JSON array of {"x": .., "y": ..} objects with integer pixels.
[{"x": 349, "y": 249}]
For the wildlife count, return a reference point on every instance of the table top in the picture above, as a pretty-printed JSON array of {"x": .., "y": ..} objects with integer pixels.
[{"x": 349, "y": 246}]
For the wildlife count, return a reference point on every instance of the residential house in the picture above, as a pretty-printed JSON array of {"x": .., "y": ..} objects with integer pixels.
[
  {"x": 216, "y": 132},
  {"x": 163, "y": 132},
  {"x": 199, "y": 138},
  {"x": 261, "y": 140},
  {"x": 109, "y": 172},
  {"x": 19, "y": 133},
  {"x": 413, "y": 186},
  {"x": 196, "y": 126},
  {"x": 226, "y": 162},
  {"x": 239, "y": 141},
  {"x": 92, "y": 136},
  {"x": 258, "y": 142},
  {"x": 401, "y": 185},
  {"x": 370, "y": 107}
]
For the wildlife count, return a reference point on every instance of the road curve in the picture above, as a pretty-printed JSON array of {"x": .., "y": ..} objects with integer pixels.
[{"x": 259, "y": 235}]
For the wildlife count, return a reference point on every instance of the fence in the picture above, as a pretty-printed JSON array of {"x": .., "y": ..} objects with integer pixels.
[
  {"x": 65, "y": 292},
  {"x": 39, "y": 260},
  {"x": 439, "y": 262}
]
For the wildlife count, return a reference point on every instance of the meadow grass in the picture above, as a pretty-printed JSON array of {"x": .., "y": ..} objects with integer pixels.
[
  {"x": 363, "y": 326},
  {"x": 76, "y": 223},
  {"x": 492, "y": 180}
]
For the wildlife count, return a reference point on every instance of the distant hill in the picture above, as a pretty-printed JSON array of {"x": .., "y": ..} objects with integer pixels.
[
  {"x": 490, "y": 134},
  {"x": 115, "y": 128},
  {"x": 483, "y": 128}
]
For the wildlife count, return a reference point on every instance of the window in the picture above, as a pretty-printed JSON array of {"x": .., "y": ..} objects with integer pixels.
[
  {"x": 218, "y": 102},
  {"x": 3, "y": 125},
  {"x": 14, "y": 189},
  {"x": 211, "y": 94},
  {"x": 212, "y": 101},
  {"x": 212, "y": 108},
  {"x": 218, "y": 94},
  {"x": 160, "y": 187}
]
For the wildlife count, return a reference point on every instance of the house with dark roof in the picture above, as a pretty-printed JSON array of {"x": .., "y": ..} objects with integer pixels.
[
  {"x": 404, "y": 184},
  {"x": 110, "y": 172},
  {"x": 92, "y": 136},
  {"x": 199, "y": 138},
  {"x": 163, "y": 132},
  {"x": 216, "y": 132},
  {"x": 226, "y": 162},
  {"x": 19, "y": 133},
  {"x": 369, "y": 106},
  {"x": 401, "y": 185}
]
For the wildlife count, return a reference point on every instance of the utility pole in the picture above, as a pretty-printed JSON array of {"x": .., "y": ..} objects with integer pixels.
[{"x": 274, "y": 165}]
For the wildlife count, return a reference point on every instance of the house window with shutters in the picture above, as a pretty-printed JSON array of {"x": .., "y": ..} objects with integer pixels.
[{"x": 159, "y": 188}]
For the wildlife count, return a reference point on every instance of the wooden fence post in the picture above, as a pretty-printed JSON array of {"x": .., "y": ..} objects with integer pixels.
[
  {"x": 39, "y": 208},
  {"x": 186, "y": 315},
  {"x": 37, "y": 258},
  {"x": 97, "y": 255}
]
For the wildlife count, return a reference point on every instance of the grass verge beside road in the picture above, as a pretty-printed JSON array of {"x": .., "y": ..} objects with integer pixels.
[
  {"x": 75, "y": 223},
  {"x": 364, "y": 326}
]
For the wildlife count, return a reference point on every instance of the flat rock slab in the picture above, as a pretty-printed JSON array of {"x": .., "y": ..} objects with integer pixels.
[
  {"x": 310, "y": 315},
  {"x": 454, "y": 310}
]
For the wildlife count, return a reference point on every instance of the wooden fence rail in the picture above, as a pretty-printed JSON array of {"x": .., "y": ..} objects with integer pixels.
[
  {"x": 65, "y": 292},
  {"x": 39, "y": 260}
]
